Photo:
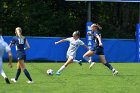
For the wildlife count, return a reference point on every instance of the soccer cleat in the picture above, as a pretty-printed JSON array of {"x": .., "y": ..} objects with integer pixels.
[
  {"x": 7, "y": 80},
  {"x": 29, "y": 82},
  {"x": 91, "y": 65},
  {"x": 115, "y": 72},
  {"x": 57, "y": 73},
  {"x": 80, "y": 62},
  {"x": 13, "y": 80}
]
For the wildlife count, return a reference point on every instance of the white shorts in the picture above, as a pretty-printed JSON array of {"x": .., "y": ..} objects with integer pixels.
[{"x": 71, "y": 56}]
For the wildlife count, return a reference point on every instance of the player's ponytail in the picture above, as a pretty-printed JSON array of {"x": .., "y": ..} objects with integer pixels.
[
  {"x": 19, "y": 32},
  {"x": 97, "y": 26}
]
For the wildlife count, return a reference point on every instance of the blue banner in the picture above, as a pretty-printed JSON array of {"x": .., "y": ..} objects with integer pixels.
[
  {"x": 138, "y": 41},
  {"x": 44, "y": 49},
  {"x": 89, "y": 38}
]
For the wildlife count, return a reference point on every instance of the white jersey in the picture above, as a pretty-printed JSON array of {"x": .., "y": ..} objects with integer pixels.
[
  {"x": 74, "y": 45},
  {"x": 3, "y": 47}
]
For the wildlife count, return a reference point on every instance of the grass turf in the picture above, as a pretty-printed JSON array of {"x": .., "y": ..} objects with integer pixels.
[{"x": 75, "y": 79}]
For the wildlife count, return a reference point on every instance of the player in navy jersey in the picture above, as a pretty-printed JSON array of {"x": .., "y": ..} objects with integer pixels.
[
  {"x": 98, "y": 48},
  {"x": 20, "y": 41}
]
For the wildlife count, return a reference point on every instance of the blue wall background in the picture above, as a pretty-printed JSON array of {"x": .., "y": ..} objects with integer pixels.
[{"x": 44, "y": 49}]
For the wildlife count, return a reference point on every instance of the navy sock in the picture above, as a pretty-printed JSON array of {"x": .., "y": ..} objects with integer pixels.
[
  {"x": 109, "y": 66},
  {"x": 18, "y": 73},
  {"x": 27, "y": 74}
]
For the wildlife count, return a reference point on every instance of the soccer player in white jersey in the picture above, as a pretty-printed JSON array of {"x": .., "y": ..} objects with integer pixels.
[
  {"x": 75, "y": 42},
  {"x": 4, "y": 47}
]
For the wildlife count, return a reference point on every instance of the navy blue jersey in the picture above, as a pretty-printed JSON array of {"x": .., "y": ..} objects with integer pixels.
[
  {"x": 99, "y": 50},
  {"x": 19, "y": 43},
  {"x": 95, "y": 40}
]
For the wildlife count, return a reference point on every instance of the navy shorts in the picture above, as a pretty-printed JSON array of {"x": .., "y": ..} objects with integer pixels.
[
  {"x": 21, "y": 55},
  {"x": 98, "y": 50}
]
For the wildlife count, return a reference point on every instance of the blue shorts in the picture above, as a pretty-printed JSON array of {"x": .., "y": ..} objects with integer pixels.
[
  {"x": 98, "y": 50},
  {"x": 21, "y": 55}
]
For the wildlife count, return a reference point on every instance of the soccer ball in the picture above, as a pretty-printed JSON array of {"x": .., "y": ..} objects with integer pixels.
[{"x": 49, "y": 71}]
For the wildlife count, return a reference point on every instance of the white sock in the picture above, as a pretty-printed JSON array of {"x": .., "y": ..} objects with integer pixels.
[
  {"x": 62, "y": 68},
  {"x": 88, "y": 59},
  {"x": 76, "y": 61},
  {"x": 113, "y": 69},
  {"x": 2, "y": 73}
]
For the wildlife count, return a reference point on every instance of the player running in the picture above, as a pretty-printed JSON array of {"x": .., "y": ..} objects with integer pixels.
[
  {"x": 4, "y": 47},
  {"x": 20, "y": 41},
  {"x": 98, "y": 48},
  {"x": 75, "y": 42}
]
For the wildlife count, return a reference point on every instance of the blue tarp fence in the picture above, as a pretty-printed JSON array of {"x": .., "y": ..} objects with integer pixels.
[{"x": 44, "y": 49}]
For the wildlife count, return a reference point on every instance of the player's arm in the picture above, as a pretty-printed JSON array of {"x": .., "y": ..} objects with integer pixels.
[
  {"x": 90, "y": 34},
  {"x": 12, "y": 42},
  {"x": 60, "y": 41},
  {"x": 10, "y": 59},
  {"x": 86, "y": 46},
  {"x": 10, "y": 45},
  {"x": 83, "y": 44},
  {"x": 8, "y": 50},
  {"x": 27, "y": 45},
  {"x": 99, "y": 39}
]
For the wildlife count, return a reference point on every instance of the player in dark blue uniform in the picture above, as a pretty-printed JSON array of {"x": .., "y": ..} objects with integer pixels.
[
  {"x": 98, "y": 48},
  {"x": 20, "y": 41}
]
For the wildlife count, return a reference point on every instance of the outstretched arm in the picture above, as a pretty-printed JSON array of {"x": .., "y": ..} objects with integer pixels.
[
  {"x": 86, "y": 47},
  {"x": 60, "y": 41},
  {"x": 89, "y": 33}
]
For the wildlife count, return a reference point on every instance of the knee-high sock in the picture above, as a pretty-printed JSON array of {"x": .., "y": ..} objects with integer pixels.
[
  {"x": 62, "y": 68},
  {"x": 88, "y": 59},
  {"x": 27, "y": 74},
  {"x": 76, "y": 61},
  {"x": 18, "y": 73},
  {"x": 3, "y": 74},
  {"x": 109, "y": 66}
]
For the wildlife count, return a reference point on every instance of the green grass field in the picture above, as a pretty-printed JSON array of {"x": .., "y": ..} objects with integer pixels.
[{"x": 75, "y": 79}]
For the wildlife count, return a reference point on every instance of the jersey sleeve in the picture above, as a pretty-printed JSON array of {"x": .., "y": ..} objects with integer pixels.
[
  {"x": 81, "y": 42},
  {"x": 95, "y": 33},
  {"x": 7, "y": 48}
]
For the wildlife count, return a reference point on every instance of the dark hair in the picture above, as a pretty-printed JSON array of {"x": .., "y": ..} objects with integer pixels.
[{"x": 0, "y": 31}]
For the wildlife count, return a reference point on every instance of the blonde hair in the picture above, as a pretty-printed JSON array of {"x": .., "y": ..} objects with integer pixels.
[
  {"x": 18, "y": 31},
  {"x": 97, "y": 25},
  {"x": 76, "y": 33}
]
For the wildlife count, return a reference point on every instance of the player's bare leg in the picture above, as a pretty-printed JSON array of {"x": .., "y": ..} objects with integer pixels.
[
  {"x": 70, "y": 60},
  {"x": 87, "y": 56}
]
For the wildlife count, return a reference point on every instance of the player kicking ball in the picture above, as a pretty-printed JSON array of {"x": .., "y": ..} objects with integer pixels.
[
  {"x": 75, "y": 42},
  {"x": 4, "y": 47}
]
